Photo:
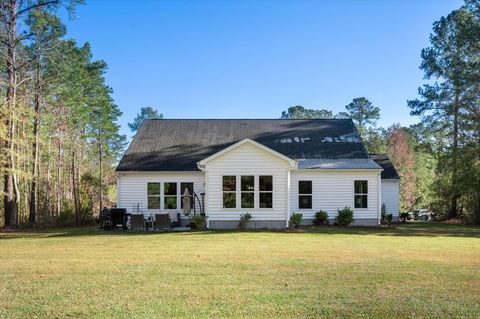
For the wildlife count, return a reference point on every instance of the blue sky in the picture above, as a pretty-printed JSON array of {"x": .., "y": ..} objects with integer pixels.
[{"x": 254, "y": 59}]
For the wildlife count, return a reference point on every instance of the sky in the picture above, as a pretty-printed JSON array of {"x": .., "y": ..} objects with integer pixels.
[{"x": 254, "y": 59}]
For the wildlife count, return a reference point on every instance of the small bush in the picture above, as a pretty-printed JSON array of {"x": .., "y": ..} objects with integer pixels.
[
  {"x": 198, "y": 220},
  {"x": 389, "y": 218},
  {"x": 321, "y": 218},
  {"x": 345, "y": 216},
  {"x": 296, "y": 220},
  {"x": 404, "y": 216},
  {"x": 454, "y": 221},
  {"x": 244, "y": 218}
]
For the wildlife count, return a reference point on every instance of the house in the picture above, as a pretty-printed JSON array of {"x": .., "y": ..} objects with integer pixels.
[{"x": 270, "y": 168}]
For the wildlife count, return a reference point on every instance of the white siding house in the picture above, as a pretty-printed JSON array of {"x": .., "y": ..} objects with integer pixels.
[{"x": 268, "y": 168}]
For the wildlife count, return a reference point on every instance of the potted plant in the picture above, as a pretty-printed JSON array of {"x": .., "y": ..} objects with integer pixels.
[{"x": 244, "y": 218}]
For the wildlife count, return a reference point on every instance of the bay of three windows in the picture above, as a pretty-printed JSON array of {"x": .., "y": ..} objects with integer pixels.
[{"x": 243, "y": 187}]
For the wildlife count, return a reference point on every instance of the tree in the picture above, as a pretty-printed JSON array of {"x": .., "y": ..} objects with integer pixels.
[
  {"x": 363, "y": 114},
  {"x": 402, "y": 157},
  {"x": 146, "y": 113},
  {"x": 299, "y": 112},
  {"x": 12, "y": 37},
  {"x": 452, "y": 61},
  {"x": 46, "y": 31}
]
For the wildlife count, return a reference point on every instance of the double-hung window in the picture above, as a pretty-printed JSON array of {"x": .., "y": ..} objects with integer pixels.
[
  {"x": 170, "y": 195},
  {"x": 229, "y": 187},
  {"x": 153, "y": 195},
  {"x": 247, "y": 191},
  {"x": 266, "y": 191},
  {"x": 361, "y": 194},
  {"x": 184, "y": 186},
  {"x": 305, "y": 194}
]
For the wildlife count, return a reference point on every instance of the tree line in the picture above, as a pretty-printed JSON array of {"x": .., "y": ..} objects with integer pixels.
[
  {"x": 59, "y": 132},
  {"x": 438, "y": 159}
]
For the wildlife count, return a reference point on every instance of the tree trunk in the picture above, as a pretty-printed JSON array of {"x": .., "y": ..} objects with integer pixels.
[
  {"x": 36, "y": 118},
  {"x": 11, "y": 194},
  {"x": 100, "y": 174},
  {"x": 454, "y": 186},
  {"x": 48, "y": 215},
  {"x": 74, "y": 189}
]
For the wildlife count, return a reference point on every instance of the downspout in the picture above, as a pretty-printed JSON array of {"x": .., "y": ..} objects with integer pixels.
[
  {"x": 379, "y": 181},
  {"x": 291, "y": 166},
  {"x": 287, "y": 217}
]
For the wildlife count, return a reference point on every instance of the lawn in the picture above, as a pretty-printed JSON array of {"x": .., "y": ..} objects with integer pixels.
[{"x": 413, "y": 270}]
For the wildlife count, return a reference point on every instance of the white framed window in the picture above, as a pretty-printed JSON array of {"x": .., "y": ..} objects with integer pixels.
[
  {"x": 153, "y": 195},
  {"x": 229, "y": 189},
  {"x": 360, "y": 194},
  {"x": 265, "y": 191},
  {"x": 305, "y": 194},
  {"x": 170, "y": 195},
  {"x": 247, "y": 188}
]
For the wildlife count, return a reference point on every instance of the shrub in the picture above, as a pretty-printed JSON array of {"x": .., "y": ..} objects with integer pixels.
[
  {"x": 345, "y": 216},
  {"x": 404, "y": 216},
  {"x": 296, "y": 219},
  {"x": 244, "y": 218},
  {"x": 389, "y": 219},
  {"x": 198, "y": 220},
  {"x": 321, "y": 218},
  {"x": 453, "y": 221}
]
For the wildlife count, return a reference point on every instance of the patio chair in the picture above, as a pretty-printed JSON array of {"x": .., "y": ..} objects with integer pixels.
[
  {"x": 162, "y": 221},
  {"x": 137, "y": 222}
]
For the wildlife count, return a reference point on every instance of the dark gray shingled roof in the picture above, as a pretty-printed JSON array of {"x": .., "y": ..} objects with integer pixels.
[
  {"x": 389, "y": 171},
  {"x": 177, "y": 145}
]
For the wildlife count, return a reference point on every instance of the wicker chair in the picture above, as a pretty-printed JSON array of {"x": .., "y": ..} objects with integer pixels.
[
  {"x": 137, "y": 222},
  {"x": 162, "y": 221}
]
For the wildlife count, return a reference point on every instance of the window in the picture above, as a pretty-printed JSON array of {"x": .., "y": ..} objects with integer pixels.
[
  {"x": 247, "y": 191},
  {"x": 305, "y": 194},
  {"x": 182, "y": 191},
  {"x": 361, "y": 194},
  {"x": 229, "y": 187},
  {"x": 266, "y": 191},
  {"x": 153, "y": 195},
  {"x": 170, "y": 195}
]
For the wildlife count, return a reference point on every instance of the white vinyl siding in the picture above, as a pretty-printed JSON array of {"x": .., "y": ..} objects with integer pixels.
[
  {"x": 246, "y": 159},
  {"x": 391, "y": 196},
  {"x": 333, "y": 190},
  {"x": 132, "y": 188}
]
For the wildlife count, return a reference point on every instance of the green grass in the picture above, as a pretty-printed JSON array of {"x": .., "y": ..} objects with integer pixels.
[{"x": 414, "y": 270}]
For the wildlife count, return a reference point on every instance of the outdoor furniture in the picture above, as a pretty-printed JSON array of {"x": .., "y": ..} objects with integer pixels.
[
  {"x": 162, "y": 221},
  {"x": 137, "y": 222},
  {"x": 117, "y": 216},
  {"x": 104, "y": 218}
]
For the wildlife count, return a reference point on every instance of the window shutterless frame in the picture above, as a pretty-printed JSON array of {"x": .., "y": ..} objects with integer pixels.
[
  {"x": 247, "y": 191},
  {"x": 305, "y": 194},
  {"x": 360, "y": 194},
  {"x": 153, "y": 195},
  {"x": 265, "y": 191},
  {"x": 229, "y": 191},
  {"x": 170, "y": 195}
]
